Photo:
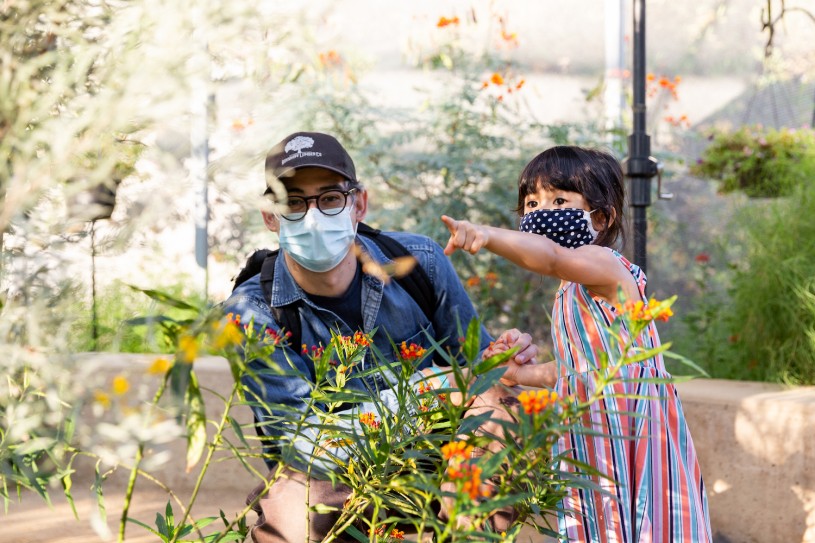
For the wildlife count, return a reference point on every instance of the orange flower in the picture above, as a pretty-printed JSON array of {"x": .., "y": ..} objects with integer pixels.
[
  {"x": 650, "y": 77},
  {"x": 510, "y": 37},
  {"x": 520, "y": 84},
  {"x": 330, "y": 58},
  {"x": 444, "y": 21},
  {"x": 369, "y": 420},
  {"x": 473, "y": 281},
  {"x": 456, "y": 450},
  {"x": 491, "y": 278},
  {"x": 316, "y": 351},
  {"x": 361, "y": 339},
  {"x": 663, "y": 314},
  {"x": 497, "y": 79},
  {"x": 470, "y": 476},
  {"x": 234, "y": 319},
  {"x": 638, "y": 311},
  {"x": 535, "y": 401},
  {"x": 412, "y": 351}
]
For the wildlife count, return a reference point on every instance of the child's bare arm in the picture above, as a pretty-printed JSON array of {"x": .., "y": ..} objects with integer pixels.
[
  {"x": 590, "y": 265},
  {"x": 531, "y": 375}
]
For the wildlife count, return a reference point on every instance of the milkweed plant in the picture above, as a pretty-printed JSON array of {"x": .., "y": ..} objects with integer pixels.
[{"x": 400, "y": 460}]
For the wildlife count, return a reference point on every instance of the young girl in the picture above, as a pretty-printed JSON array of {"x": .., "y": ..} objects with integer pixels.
[{"x": 571, "y": 201}]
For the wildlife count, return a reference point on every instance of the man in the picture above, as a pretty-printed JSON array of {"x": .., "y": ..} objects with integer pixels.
[{"x": 318, "y": 278}]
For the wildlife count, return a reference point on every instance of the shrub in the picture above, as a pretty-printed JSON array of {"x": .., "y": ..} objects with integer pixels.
[
  {"x": 771, "y": 314},
  {"x": 761, "y": 325},
  {"x": 759, "y": 162},
  {"x": 402, "y": 457}
]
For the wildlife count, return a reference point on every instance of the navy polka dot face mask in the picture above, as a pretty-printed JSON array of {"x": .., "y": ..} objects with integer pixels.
[{"x": 570, "y": 228}]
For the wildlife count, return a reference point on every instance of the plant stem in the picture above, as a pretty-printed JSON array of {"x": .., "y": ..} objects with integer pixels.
[
  {"x": 211, "y": 446},
  {"x": 134, "y": 471},
  {"x": 131, "y": 484}
]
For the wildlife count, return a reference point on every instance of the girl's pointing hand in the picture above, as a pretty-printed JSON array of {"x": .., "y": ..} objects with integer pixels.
[{"x": 464, "y": 235}]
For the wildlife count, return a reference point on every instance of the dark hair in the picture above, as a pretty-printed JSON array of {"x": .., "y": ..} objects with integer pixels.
[{"x": 594, "y": 174}]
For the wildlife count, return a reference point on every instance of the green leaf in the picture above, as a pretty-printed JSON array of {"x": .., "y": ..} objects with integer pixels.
[
  {"x": 168, "y": 511},
  {"x": 148, "y": 528},
  {"x": 165, "y": 298},
  {"x": 472, "y": 341},
  {"x": 494, "y": 361},
  {"x": 486, "y": 381},
  {"x": 152, "y": 319},
  {"x": 356, "y": 534},
  {"x": 238, "y": 431}
]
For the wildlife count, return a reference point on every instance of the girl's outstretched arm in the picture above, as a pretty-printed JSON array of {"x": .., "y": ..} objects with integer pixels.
[{"x": 590, "y": 265}]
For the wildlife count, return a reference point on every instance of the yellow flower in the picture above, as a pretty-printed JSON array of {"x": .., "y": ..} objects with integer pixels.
[
  {"x": 159, "y": 366},
  {"x": 228, "y": 336},
  {"x": 188, "y": 347},
  {"x": 120, "y": 385},
  {"x": 102, "y": 398}
]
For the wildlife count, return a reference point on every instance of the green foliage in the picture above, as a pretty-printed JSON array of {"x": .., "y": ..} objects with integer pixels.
[
  {"x": 772, "y": 309},
  {"x": 759, "y": 162},
  {"x": 762, "y": 325},
  {"x": 459, "y": 154}
]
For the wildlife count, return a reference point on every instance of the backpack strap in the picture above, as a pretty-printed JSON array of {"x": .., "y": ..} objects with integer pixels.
[
  {"x": 262, "y": 262},
  {"x": 416, "y": 283}
]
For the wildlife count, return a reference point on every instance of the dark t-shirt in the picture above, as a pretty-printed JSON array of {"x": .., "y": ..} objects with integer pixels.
[{"x": 348, "y": 306}]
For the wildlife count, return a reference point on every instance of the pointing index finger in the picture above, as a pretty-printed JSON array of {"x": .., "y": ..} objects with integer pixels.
[{"x": 450, "y": 223}]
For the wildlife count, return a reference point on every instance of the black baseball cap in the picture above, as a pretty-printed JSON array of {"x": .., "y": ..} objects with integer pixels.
[{"x": 304, "y": 149}]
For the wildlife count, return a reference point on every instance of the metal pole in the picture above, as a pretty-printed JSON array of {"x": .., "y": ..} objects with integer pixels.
[
  {"x": 639, "y": 166},
  {"x": 199, "y": 139},
  {"x": 614, "y": 98},
  {"x": 94, "y": 316}
]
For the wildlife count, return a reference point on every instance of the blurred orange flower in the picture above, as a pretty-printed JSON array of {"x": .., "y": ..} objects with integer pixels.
[{"x": 444, "y": 21}]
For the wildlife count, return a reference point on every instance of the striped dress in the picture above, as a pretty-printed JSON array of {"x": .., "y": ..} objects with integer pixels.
[{"x": 656, "y": 483}]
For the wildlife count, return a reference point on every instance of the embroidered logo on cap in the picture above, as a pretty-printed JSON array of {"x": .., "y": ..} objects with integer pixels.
[{"x": 297, "y": 145}]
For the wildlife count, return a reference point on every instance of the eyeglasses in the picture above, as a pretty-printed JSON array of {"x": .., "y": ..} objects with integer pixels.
[{"x": 330, "y": 202}]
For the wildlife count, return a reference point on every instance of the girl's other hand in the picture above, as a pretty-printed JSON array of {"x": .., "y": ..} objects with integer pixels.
[{"x": 464, "y": 235}]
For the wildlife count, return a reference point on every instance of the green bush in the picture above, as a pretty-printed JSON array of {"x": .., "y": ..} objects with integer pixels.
[
  {"x": 759, "y": 162},
  {"x": 762, "y": 325},
  {"x": 127, "y": 321}
]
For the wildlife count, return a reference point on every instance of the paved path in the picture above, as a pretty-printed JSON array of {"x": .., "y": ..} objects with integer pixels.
[{"x": 33, "y": 521}]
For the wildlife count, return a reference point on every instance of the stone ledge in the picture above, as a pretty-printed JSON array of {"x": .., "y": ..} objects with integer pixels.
[{"x": 756, "y": 447}]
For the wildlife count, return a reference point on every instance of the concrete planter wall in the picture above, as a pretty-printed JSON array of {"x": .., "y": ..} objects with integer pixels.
[{"x": 756, "y": 444}]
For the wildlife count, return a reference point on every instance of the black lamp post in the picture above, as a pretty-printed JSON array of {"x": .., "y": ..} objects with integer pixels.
[{"x": 639, "y": 166}]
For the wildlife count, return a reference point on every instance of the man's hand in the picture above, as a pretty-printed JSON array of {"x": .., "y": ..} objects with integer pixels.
[{"x": 464, "y": 235}]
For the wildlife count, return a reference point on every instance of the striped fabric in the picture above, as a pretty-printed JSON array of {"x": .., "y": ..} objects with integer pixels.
[{"x": 654, "y": 491}]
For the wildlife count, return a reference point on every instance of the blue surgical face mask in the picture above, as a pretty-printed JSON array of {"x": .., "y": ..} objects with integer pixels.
[
  {"x": 318, "y": 242},
  {"x": 569, "y": 228}
]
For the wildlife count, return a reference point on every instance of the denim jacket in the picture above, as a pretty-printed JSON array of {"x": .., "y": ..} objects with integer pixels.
[{"x": 386, "y": 308}]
